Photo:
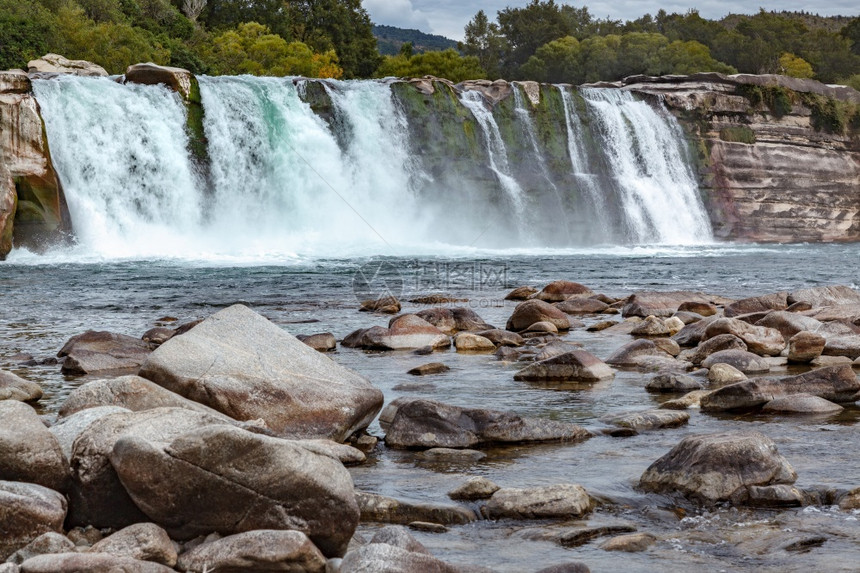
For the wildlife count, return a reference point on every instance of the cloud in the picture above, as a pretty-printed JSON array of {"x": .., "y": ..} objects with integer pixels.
[{"x": 400, "y": 13}]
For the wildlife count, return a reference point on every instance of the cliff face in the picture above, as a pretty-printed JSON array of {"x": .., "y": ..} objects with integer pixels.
[{"x": 779, "y": 157}]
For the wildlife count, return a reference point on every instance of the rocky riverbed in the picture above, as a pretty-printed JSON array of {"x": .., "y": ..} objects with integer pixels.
[{"x": 680, "y": 429}]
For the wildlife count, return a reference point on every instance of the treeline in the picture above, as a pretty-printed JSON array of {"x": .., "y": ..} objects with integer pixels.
[
  {"x": 542, "y": 41},
  {"x": 546, "y": 41},
  {"x": 390, "y": 40}
]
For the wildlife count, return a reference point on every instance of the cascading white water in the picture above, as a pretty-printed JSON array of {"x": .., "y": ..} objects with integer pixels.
[
  {"x": 498, "y": 154},
  {"x": 525, "y": 118},
  {"x": 655, "y": 184}
]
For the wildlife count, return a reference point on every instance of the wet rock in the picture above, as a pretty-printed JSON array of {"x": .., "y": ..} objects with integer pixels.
[
  {"x": 96, "y": 496},
  {"x": 385, "y": 558},
  {"x": 93, "y": 352},
  {"x": 453, "y": 455},
  {"x": 825, "y": 296},
  {"x": 632, "y": 353},
  {"x": 667, "y": 345},
  {"x": 157, "y": 336},
  {"x": 45, "y": 544},
  {"x": 556, "y": 348},
  {"x": 423, "y": 351},
  {"x": 746, "y": 362},
  {"x": 384, "y": 305},
  {"x": 559, "y": 291},
  {"x": 532, "y": 311},
  {"x": 651, "y": 326},
  {"x": 673, "y": 383},
  {"x": 436, "y": 299},
  {"x": 405, "y": 332},
  {"x": 686, "y": 317},
  {"x": 602, "y": 325},
  {"x": 540, "y": 328},
  {"x": 659, "y": 304},
  {"x": 179, "y": 80},
  {"x": 577, "y": 365},
  {"x": 89, "y": 563},
  {"x": 555, "y": 501},
  {"x": 13, "y": 387},
  {"x": 716, "y": 344},
  {"x": 692, "y": 333},
  {"x": 474, "y": 488},
  {"x": 429, "y": 368},
  {"x": 130, "y": 392},
  {"x": 468, "y": 342},
  {"x": 521, "y": 293},
  {"x": 834, "y": 383},
  {"x": 582, "y": 306},
  {"x": 775, "y": 301},
  {"x": 26, "y": 512},
  {"x": 239, "y": 363},
  {"x": 721, "y": 374},
  {"x": 398, "y": 536},
  {"x": 774, "y": 496},
  {"x": 232, "y": 481},
  {"x": 843, "y": 346},
  {"x": 710, "y": 468},
  {"x": 788, "y": 323},
  {"x": 805, "y": 347},
  {"x": 425, "y": 424},
  {"x": 690, "y": 400},
  {"x": 631, "y": 543},
  {"x": 801, "y": 404},
  {"x": 453, "y": 320},
  {"x": 57, "y": 64},
  {"x": 322, "y": 342},
  {"x": 508, "y": 354},
  {"x": 566, "y": 568},
  {"x": 674, "y": 325},
  {"x": 381, "y": 509},
  {"x": 851, "y": 500},
  {"x": 759, "y": 339},
  {"x": 28, "y": 451},
  {"x": 264, "y": 550},
  {"x": 143, "y": 541},
  {"x": 502, "y": 337},
  {"x": 700, "y": 308},
  {"x": 648, "y": 420}
]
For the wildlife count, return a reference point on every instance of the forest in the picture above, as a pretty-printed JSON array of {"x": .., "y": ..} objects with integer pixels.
[{"x": 543, "y": 40}]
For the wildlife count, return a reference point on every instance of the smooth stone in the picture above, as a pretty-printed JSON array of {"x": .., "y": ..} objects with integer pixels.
[
  {"x": 850, "y": 500},
  {"x": 687, "y": 317},
  {"x": 555, "y": 348},
  {"x": 573, "y": 567},
  {"x": 253, "y": 551},
  {"x": 775, "y": 301},
  {"x": 381, "y": 509},
  {"x": 716, "y": 344},
  {"x": 469, "y": 342},
  {"x": 710, "y": 468},
  {"x": 384, "y": 305},
  {"x": 648, "y": 420},
  {"x": 701, "y": 308},
  {"x": 558, "y": 291},
  {"x": 554, "y": 501},
  {"x": 805, "y": 347},
  {"x": 501, "y": 337},
  {"x": 631, "y": 543},
  {"x": 89, "y": 563},
  {"x": 801, "y": 404},
  {"x": 721, "y": 374},
  {"x": 521, "y": 293},
  {"x": 142, "y": 541},
  {"x": 429, "y": 368},
  {"x": 531, "y": 311},
  {"x": 244, "y": 366},
  {"x": 759, "y": 339},
  {"x": 398, "y": 536},
  {"x": 28, "y": 511},
  {"x": 674, "y": 325},
  {"x": 825, "y": 296},
  {"x": 631, "y": 353},
  {"x": 84, "y": 537},
  {"x": 344, "y": 453},
  {"x": 13, "y": 387},
  {"x": 667, "y": 345},
  {"x": 474, "y": 488},
  {"x": 746, "y": 362},
  {"x": 659, "y": 304},
  {"x": 322, "y": 342},
  {"x": 67, "y": 430},
  {"x": 57, "y": 64},
  {"x": 775, "y": 496},
  {"x": 789, "y": 323},
  {"x": 405, "y": 332},
  {"x": 28, "y": 451},
  {"x": 602, "y": 325},
  {"x": 177, "y": 79},
  {"x": 577, "y": 365},
  {"x": 385, "y": 558},
  {"x": 843, "y": 346},
  {"x": 651, "y": 326},
  {"x": 692, "y": 333},
  {"x": 582, "y": 306},
  {"x": 673, "y": 383},
  {"x": 437, "y": 298},
  {"x": 453, "y": 320},
  {"x": 425, "y": 424},
  {"x": 543, "y": 327},
  {"x": 157, "y": 336},
  {"x": 427, "y": 527},
  {"x": 45, "y": 544},
  {"x": 690, "y": 400},
  {"x": 452, "y": 454},
  {"x": 93, "y": 352},
  {"x": 229, "y": 480}
]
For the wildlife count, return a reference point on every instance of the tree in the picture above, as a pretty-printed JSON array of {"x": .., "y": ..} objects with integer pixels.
[
  {"x": 791, "y": 65},
  {"x": 484, "y": 41},
  {"x": 448, "y": 64},
  {"x": 689, "y": 58},
  {"x": 555, "y": 62},
  {"x": 851, "y": 32},
  {"x": 25, "y": 29},
  {"x": 193, "y": 8}
]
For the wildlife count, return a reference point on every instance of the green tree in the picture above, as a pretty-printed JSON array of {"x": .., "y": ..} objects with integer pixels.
[
  {"x": 689, "y": 58},
  {"x": 791, "y": 65},
  {"x": 851, "y": 32},
  {"x": 639, "y": 53},
  {"x": 447, "y": 64},
  {"x": 555, "y": 62},
  {"x": 484, "y": 41},
  {"x": 25, "y": 30},
  {"x": 830, "y": 55}
]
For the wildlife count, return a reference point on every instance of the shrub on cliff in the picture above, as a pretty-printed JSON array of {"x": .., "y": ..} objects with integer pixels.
[{"x": 448, "y": 64}]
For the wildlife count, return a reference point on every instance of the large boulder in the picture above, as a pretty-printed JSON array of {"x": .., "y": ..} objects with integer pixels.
[
  {"x": 28, "y": 451},
  {"x": 805, "y": 346},
  {"x": 387, "y": 558},
  {"x": 265, "y": 550},
  {"x": 181, "y": 81},
  {"x": 56, "y": 64},
  {"x": 716, "y": 344},
  {"x": 718, "y": 467},
  {"x": 453, "y": 320},
  {"x": 26, "y": 512},
  {"x": 90, "y": 563},
  {"x": 93, "y": 352},
  {"x": 801, "y": 404},
  {"x": 563, "y": 501},
  {"x": 789, "y": 323},
  {"x": 13, "y": 387},
  {"x": 842, "y": 346},
  {"x": 759, "y": 339},
  {"x": 97, "y": 497},
  {"x": 692, "y": 333},
  {"x": 775, "y": 301},
  {"x": 632, "y": 353},
  {"x": 229, "y": 480},
  {"x": 647, "y": 419},
  {"x": 144, "y": 541},
  {"x": 244, "y": 366},
  {"x": 531, "y": 311},
  {"x": 405, "y": 332},
  {"x": 130, "y": 392},
  {"x": 834, "y": 383},
  {"x": 559, "y": 291},
  {"x": 425, "y": 424},
  {"x": 746, "y": 362},
  {"x": 825, "y": 296},
  {"x": 575, "y": 366},
  {"x": 67, "y": 430},
  {"x": 661, "y": 304}
]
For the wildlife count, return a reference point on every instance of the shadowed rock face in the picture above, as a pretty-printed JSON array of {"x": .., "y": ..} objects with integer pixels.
[{"x": 767, "y": 177}]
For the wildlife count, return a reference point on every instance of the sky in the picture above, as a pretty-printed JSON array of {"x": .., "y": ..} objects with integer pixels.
[{"x": 448, "y": 17}]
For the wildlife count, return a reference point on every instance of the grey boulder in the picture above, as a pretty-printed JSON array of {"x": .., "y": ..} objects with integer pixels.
[
  {"x": 28, "y": 451},
  {"x": 26, "y": 512},
  {"x": 13, "y": 387},
  {"x": 143, "y": 541},
  {"x": 554, "y": 501},
  {"x": 100, "y": 351},
  {"x": 576, "y": 365},
  {"x": 253, "y": 551}
]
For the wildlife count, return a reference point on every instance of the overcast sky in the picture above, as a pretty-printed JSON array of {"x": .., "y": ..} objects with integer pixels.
[{"x": 448, "y": 17}]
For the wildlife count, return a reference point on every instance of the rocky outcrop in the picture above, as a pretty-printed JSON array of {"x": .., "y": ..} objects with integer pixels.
[
  {"x": 778, "y": 162},
  {"x": 57, "y": 64}
]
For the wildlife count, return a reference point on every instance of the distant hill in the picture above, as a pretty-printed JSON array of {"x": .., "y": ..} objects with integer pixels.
[
  {"x": 390, "y": 38},
  {"x": 812, "y": 21}
]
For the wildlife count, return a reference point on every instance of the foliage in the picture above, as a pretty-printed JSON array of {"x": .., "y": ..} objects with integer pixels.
[
  {"x": 25, "y": 29},
  {"x": 791, "y": 65},
  {"x": 832, "y": 116},
  {"x": 448, "y": 64},
  {"x": 738, "y": 134},
  {"x": 389, "y": 40},
  {"x": 776, "y": 98}
]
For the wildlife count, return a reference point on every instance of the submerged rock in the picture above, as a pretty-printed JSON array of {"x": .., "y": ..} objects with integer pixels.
[
  {"x": 429, "y": 368},
  {"x": 801, "y": 404},
  {"x": 631, "y": 543},
  {"x": 554, "y": 501},
  {"x": 746, "y": 362},
  {"x": 710, "y": 468},
  {"x": 422, "y": 424},
  {"x": 659, "y": 304},
  {"x": 474, "y": 488},
  {"x": 673, "y": 383},
  {"x": 576, "y": 365},
  {"x": 239, "y": 363},
  {"x": 93, "y": 352},
  {"x": 648, "y": 419},
  {"x": 559, "y": 291},
  {"x": 382, "y": 509}
]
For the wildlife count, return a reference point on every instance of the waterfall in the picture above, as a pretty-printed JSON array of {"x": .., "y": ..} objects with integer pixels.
[{"x": 655, "y": 184}]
